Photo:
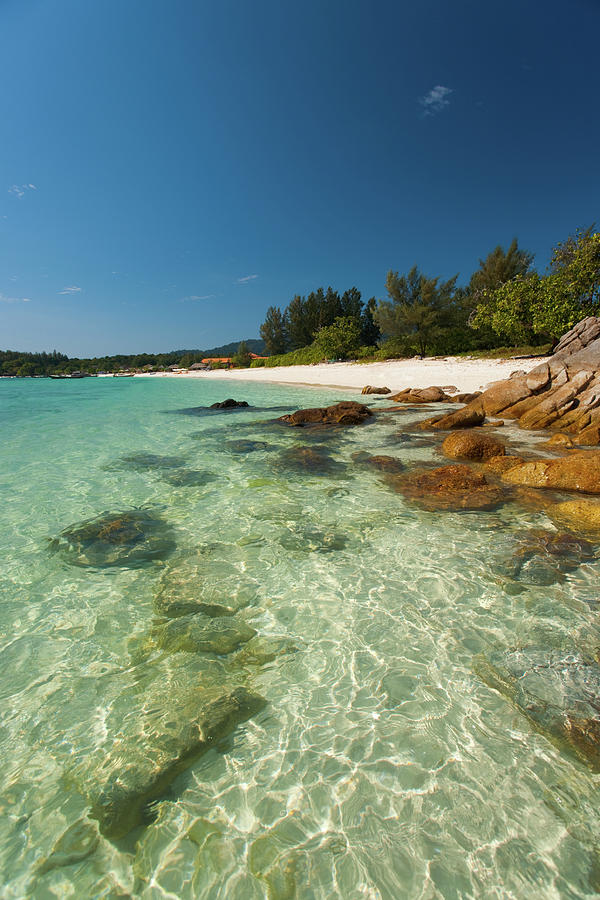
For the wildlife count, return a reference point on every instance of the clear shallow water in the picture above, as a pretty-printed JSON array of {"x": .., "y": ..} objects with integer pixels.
[{"x": 381, "y": 767}]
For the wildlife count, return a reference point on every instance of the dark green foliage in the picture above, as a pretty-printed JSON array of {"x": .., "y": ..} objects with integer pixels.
[
  {"x": 242, "y": 358},
  {"x": 340, "y": 339},
  {"x": 551, "y": 304},
  {"x": 417, "y": 310},
  {"x": 23, "y": 364},
  {"x": 305, "y": 317},
  {"x": 273, "y": 331}
]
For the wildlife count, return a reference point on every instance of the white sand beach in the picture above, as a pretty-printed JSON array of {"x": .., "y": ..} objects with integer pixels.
[{"x": 463, "y": 374}]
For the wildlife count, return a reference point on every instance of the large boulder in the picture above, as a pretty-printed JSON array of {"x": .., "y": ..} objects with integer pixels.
[
  {"x": 577, "y": 472},
  {"x": 421, "y": 395},
  {"x": 230, "y": 403},
  {"x": 472, "y": 445},
  {"x": 580, "y": 515},
  {"x": 466, "y": 417},
  {"x": 369, "y": 389},
  {"x": 449, "y": 487},
  {"x": 347, "y": 412}
]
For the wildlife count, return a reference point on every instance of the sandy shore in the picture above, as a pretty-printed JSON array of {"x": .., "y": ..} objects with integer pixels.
[{"x": 463, "y": 374}]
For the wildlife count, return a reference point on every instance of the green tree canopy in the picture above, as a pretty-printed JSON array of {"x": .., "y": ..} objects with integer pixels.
[
  {"x": 242, "y": 357},
  {"x": 273, "y": 331},
  {"x": 547, "y": 305},
  {"x": 340, "y": 339},
  {"x": 417, "y": 309}
]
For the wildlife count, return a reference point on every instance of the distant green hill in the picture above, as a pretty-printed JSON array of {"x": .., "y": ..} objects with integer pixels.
[
  {"x": 254, "y": 345},
  {"x": 13, "y": 362}
]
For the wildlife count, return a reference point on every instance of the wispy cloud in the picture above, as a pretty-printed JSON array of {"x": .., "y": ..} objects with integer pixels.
[
  {"x": 5, "y": 299},
  {"x": 245, "y": 279},
  {"x": 73, "y": 289},
  {"x": 436, "y": 100},
  {"x": 19, "y": 190},
  {"x": 197, "y": 297}
]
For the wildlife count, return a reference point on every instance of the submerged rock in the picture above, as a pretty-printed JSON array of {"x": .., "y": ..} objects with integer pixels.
[
  {"x": 200, "y": 633},
  {"x": 144, "y": 462},
  {"x": 472, "y": 445},
  {"x": 559, "y": 692},
  {"x": 264, "y": 649},
  {"x": 379, "y": 463},
  {"x": 542, "y": 557},
  {"x": 308, "y": 460},
  {"x": 189, "y": 478},
  {"x": 151, "y": 737},
  {"x": 347, "y": 412},
  {"x": 247, "y": 446},
  {"x": 309, "y": 539},
  {"x": 449, "y": 487},
  {"x": 130, "y": 539}
]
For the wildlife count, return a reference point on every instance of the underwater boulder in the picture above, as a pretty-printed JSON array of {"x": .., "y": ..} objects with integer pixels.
[
  {"x": 558, "y": 691},
  {"x": 542, "y": 557},
  {"x": 308, "y": 539},
  {"x": 161, "y": 732},
  {"x": 379, "y": 462},
  {"x": 347, "y": 412},
  {"x": 189, "y": 478},
  {"x": 308, "y": 460},
  {"x": 200, "y": 633},
  {"x": 131, "y": 539},
  {"x": 247, "y": 446},
  {"x": 145, "y": 462},
  {"x": 262, "y": 649},
  {"x": 447, "y": 488},
  {"x": 473, "y": 445}
]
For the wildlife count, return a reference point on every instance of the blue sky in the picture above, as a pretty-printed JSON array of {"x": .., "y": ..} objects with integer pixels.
[{"x": 171, "y": 168}]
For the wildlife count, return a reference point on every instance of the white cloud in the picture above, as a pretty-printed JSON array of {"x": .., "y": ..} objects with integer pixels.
[
  {"x": 246, "y": 279},
  {"x": 73, "y": 289},
  {"x": 197, "y": 297},
  {"x": 19, "y": 189},
  {"x": 5, "y": 299},
  {"x": 436, "y": 100}
]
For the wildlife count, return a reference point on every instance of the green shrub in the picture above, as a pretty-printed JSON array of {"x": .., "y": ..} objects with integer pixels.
[
  {"x": 258, "y": 363},
  {"x": 305, "y": 356}
]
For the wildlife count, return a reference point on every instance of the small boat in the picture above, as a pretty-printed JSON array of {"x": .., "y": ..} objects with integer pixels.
[{"x": 123, "y": 374}]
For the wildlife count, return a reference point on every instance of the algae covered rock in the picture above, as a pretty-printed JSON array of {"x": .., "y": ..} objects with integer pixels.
[
  {"x": 472, "y": 445},
  {"x": 230, "y": 403},
  {"x": 542, "y": 557},
  {"x": 558, "y": 691},
  {"x": 132, "y": 538},
  {"x": 201, "y": 633},
  {"x": 189, "y": 478},
  {"x": 308, "y": 460},
  {"x": 449, "y": 487}
]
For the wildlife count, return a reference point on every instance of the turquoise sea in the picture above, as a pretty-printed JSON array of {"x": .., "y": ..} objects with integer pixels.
[{"x": 380, "y": 766}]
